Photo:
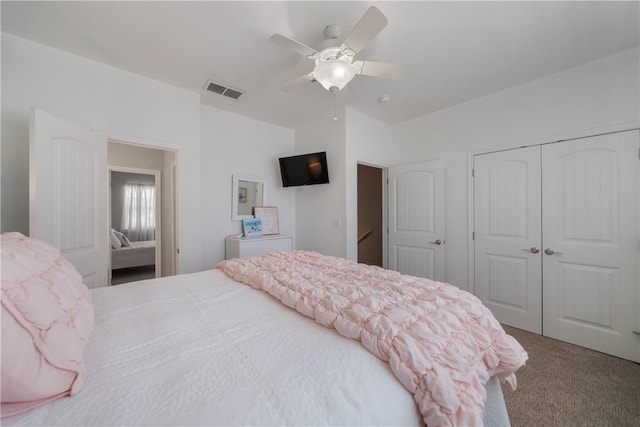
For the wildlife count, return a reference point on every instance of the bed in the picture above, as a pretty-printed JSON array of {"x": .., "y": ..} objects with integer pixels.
[
  {"x": 138, "y": 254},
  {"x": 205, "y": 349}
]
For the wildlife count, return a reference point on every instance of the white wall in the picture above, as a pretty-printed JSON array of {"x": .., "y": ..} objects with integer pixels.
[
  {"x": 133, "y": 156},
  {"x": 321, "y": 209},
  {"x": 233, "y": 144},
  {"x": 580, "y": 100},
  {"x": 127, "y": 106},
  {"x": 213, "y": 144}
]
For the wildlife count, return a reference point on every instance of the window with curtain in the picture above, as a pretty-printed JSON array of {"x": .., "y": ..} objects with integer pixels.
[{"x": 139, "y": 212}]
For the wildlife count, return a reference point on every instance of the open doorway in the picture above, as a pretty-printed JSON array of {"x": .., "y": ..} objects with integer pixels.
[
  {"x": 135, "y": 221},
  {"x": 142, "y": 212},
  {"x": 371, "y": 215}
]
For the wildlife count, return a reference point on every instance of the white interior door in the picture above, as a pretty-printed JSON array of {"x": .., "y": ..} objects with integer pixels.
[
  {"x": 507, "y": 273},
  {"x": 416, "y": 219},
  {"x": 592, "y": 243},
  {"x": 68, "y": 193}
]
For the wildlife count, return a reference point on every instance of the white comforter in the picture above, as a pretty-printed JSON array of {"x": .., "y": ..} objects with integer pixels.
[{"x": 201, "y": 349}]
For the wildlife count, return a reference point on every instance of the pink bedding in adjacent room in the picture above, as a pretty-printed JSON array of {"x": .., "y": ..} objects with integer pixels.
[{"x": 440, "y": 342}]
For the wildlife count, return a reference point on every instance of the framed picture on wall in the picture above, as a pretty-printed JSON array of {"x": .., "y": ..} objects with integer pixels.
[
  {"x": 269, "y": 216},
  {"x": 252, "y": 227}
]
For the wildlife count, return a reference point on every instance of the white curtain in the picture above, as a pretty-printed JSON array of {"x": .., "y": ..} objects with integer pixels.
[{"x": 139, "y": 212}]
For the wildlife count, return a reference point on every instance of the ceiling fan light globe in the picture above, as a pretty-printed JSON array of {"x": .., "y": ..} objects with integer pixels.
[{"x": 334, "y": 73}]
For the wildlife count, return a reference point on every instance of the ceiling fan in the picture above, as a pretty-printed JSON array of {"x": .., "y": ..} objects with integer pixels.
[{"x": 334, "y": 65}]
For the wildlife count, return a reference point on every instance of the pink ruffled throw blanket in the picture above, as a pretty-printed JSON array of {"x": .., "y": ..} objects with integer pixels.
[{"x": 440, "y": 341}]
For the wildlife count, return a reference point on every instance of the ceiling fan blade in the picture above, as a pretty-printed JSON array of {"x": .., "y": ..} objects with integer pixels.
[
  {"x": 371, "y": 23},
  {"x": 293, "y": 45},
  {"x": 381, "y": 69},
  {"x": 305, "y": 78}
]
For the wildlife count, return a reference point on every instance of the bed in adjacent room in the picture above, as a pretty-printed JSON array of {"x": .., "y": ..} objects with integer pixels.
[
  {"x": 205, "y": 349},
  {"x": 128, "y": 254},
  {"x": 137, "y": 254}
]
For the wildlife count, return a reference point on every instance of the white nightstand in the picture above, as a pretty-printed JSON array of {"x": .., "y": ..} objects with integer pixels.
[{"x": 253, "y": 246}]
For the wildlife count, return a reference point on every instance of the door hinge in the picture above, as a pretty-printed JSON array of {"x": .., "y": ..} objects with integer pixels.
[
  {"x": 473, "y": 173},
  {"x": 177, "y": 250},
  {"x": 473, "y": 235}
]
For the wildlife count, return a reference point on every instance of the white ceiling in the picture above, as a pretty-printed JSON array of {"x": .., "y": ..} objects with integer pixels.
[{"x": 451, "y": 52}]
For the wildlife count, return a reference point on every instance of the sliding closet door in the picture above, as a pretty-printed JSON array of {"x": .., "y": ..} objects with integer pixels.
[
  {"x": 507, "y": 236},
  {"x": 591, "y": 243}
]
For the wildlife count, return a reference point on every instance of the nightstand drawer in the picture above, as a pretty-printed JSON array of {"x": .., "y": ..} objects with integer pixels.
[{"x": 254, "y": 246}]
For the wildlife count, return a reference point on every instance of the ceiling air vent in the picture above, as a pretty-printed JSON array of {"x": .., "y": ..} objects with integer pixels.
[{"x": 214, "y": 87}]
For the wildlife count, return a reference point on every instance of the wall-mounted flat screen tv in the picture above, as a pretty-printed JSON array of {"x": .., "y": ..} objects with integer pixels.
[{"x": 304, "y": 169}]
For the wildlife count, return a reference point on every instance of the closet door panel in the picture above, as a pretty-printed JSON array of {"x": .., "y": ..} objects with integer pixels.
[
  {"x": 507, "y": 236},
  {"x": 591, "y": 240}
]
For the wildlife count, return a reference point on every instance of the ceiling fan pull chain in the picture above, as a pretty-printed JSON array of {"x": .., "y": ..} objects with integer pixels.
[{"x": 334, "y": 91}]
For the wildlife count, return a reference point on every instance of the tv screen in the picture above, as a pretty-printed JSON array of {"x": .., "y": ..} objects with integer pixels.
[{"x": 305, "y": 169}]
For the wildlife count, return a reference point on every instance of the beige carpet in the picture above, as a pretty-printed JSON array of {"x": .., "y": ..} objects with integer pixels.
[{"x": 566, "y": 385}]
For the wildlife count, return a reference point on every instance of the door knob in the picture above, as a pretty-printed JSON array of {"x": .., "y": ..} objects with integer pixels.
[
  {"x": 532, "y": 249},
  {"x": 437, "y": 242},
  {"x": 550, "y": 251}
]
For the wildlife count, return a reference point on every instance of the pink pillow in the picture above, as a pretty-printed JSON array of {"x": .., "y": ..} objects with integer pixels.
[{"x": 47, "y": 317}]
